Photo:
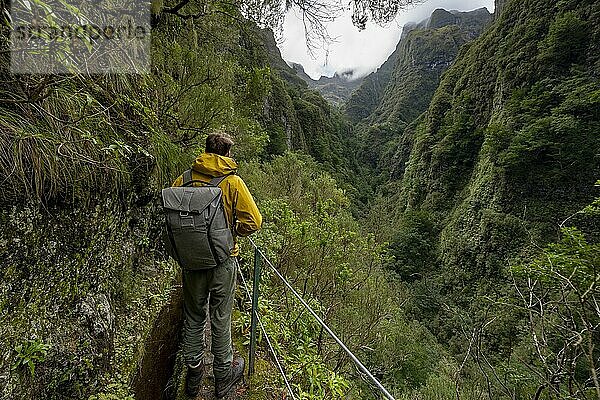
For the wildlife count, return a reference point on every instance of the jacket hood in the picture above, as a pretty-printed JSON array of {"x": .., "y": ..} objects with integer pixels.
[{"x": 214, "y": 165}]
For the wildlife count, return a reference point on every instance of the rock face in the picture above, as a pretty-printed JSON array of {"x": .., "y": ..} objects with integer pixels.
[
  {"x": 309, "y": 121},
  {"x": 397, "y": 93},
  {"x": 93, "y": 322},
  {"x": 300, "y": 71},
  {"x": 335, "y": 89},
  {"x": 288, "y": 73},
  {"x": 338, "y": 88},
  {"x": 440, "y": 18},
  {"x": 368, "y": 96},
  {"x": 95, "y": 312},
  {"x": 157, "y": 365},
  {"x": 470, "y": 21},
  {"x": 498, "y": 5}
]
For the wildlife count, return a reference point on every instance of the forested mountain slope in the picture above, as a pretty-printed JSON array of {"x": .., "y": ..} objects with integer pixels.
[
  {"x": 324, "y": 131},
  {"x": 511, "y": 127},
  {"x": 368, "y": 96},
  {"x": 392, "y": 99},
  {"x": 506, "y": 154}
]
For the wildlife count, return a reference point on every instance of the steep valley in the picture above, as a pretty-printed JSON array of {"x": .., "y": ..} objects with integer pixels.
[{"x": 441, "y": 215}]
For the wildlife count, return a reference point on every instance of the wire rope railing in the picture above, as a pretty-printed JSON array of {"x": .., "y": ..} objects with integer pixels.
[
  {"x": 264, "y": 331},
  {"x": 259, "y": 256}
]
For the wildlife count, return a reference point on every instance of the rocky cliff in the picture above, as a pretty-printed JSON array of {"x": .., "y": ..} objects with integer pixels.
[{"x": 403, "y": 92}]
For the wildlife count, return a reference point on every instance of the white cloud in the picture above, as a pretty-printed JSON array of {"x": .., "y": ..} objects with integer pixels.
[{"x": 364, "y": 50}]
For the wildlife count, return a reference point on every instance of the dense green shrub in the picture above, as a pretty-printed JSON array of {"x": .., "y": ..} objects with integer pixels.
[
  {"x": 413, "y": 246},
  {"x": 311, "y": 236},
  {"x": 565, "y": 43}
]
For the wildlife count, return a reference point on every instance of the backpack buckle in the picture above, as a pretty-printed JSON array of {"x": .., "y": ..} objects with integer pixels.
[{"x": 186, "y": 220}]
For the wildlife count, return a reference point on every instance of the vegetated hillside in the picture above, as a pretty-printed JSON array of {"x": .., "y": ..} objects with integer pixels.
[
  {"x": 83, "y": 273},
  {"x": 366, "y": 97},
  {"x": 508, "y": 152},
  {"x": 313, "y": 239},
  {"x": 392, "y": 98},
  {"x": 289, "y": 74},
  {"x": 325, "y": 133}
]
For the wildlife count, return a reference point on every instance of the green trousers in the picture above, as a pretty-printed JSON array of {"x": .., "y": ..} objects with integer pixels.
[{"x": 215, "y": 287}]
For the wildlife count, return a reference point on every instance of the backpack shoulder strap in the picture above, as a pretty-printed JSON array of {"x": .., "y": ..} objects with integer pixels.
[
  {"x": 187, "y": 177},
  {"x": 217, "y": 181},
  {"x": 188, "y": 180}
]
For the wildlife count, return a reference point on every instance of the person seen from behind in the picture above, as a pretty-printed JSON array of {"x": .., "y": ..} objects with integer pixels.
[{"x": 216, "y": 286}]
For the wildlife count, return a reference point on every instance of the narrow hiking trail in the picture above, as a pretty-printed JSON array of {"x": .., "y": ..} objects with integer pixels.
[
  {"x": 162, "y": 373},
  {"x": 207, "y": 389}
]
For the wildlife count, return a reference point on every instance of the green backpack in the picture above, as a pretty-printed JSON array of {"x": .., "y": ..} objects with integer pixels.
[{"x": 199, "y": 236}]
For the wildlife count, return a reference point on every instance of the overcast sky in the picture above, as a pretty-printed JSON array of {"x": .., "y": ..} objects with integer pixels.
[{"x": 363, "y": 51}]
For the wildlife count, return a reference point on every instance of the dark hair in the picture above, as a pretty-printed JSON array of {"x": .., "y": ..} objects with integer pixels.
[{"x": 219, "y": 143}]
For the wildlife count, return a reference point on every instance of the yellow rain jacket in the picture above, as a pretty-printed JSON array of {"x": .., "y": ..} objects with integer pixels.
[{"x": 240, "y": 207}]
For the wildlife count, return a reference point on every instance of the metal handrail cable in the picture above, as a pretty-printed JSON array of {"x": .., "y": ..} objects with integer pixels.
[
  {"x": 264, "y": 331},
  {"x": 324, "y": 325},
  {"x": 287, "y": 383}
]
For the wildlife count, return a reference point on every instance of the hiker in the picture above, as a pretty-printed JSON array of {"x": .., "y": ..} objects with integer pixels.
[{"x": 219, "y": 282}]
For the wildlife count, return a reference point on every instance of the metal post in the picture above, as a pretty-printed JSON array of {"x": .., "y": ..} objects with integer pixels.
[{"x": 254, "y": 319}]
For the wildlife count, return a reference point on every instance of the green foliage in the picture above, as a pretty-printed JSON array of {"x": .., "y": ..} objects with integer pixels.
[
  {"x": 82, "y": 159},
  {"x": 312, "y": 238},
  {"x": 559, "y": 292},
  {"x": 413, "y": 246},
  {"x": 113, "y": 391},
  {"x": 553, "y": 130},
  {"x": 570, "y": 263},
  {"x": 365, "y": 99},
  {"x": 565, "y": 43},
  {"x": 506, "y": 151},
  {"x": 60, "y": 147},
  {"x": 294, "y": 341},
  {"x": 204, "y": 83},
  {"x": 78, "y": 281},
  {"x": 281, "y": 109},
  {"x": 594, "y": 208},
  {"x": 322, "y": 127},
  {"x": 396, "y": 94},
  {"x": 43, "y": 161},
  {"x": 30, "y": 353}
]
